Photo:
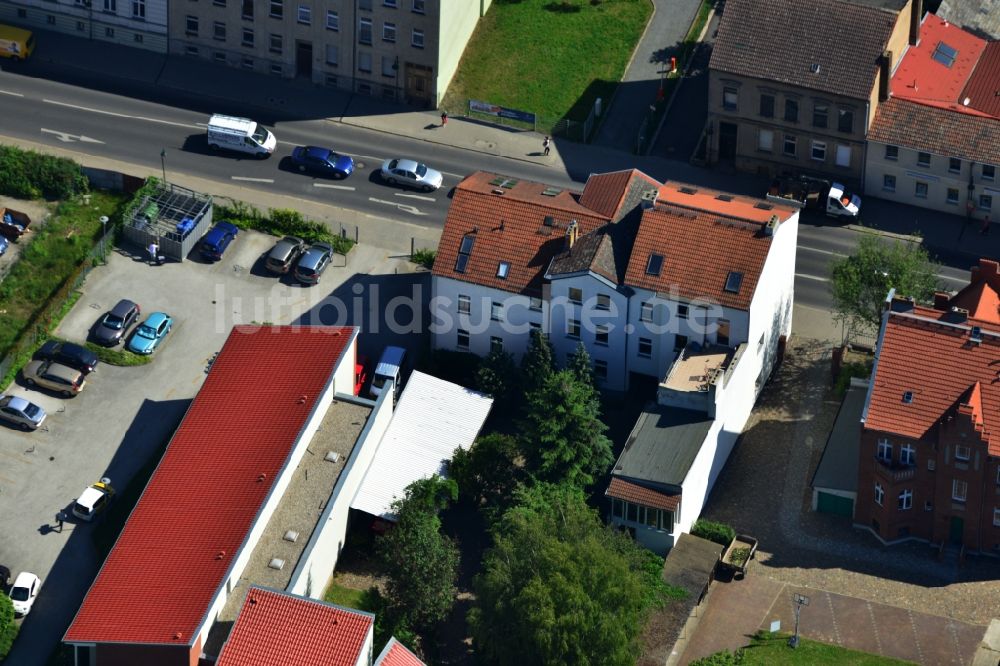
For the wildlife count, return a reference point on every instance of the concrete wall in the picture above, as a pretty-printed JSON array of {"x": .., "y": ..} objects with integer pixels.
[
  {"x": 319, "y": 559},
  {"x": 771, "y": 306},
  {"x": 458, "y": 20},
  {"x": 938, "y": 178}
]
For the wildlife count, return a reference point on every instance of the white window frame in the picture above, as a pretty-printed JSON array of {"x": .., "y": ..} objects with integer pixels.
[
  {"x": 464, "y": 304},
  {"x": 417, "y": 39},
  {"x": 462, "y": 333},
  {"x": 332, "y": 20},
  {"x": 765, "y": 140},
  {"x": 304, "y": 15},
  {"x": 817, "y": 147},
  {"x": 963, "y": 452},
  {"x": 891, "y": 153},
  {"x": 904, "y": 502},
  {"x": 648, "y": 344},
  {"x": 573, "y": 329},
  {"x": 992, "y": 172},
  {"x": 926, "y": 189},
  {"x": 920, "y": 162},
  {"x": 575, "y": 295},
  {"x": 389, "y": 32},
  {"x": 843, "y": 156},
  {"x": 888, "y": 182},
  {"x": 730, "y": 98},
  {"x": 646, "y": 312},
  {"x": 884, "y": 449},
  {"x": 139, "y": 9},
  {"x": 535, "y": 303},
  {"x": 496, "y": 311},
  {"x": 956, "y": 486},
  {"x": 602, "y": 335},
  {"x": 908, "y": 455},
  {"x": 879, "y": 494}
]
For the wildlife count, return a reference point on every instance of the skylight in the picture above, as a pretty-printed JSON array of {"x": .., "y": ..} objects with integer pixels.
[
  {"x": 945, "y": 54},
  {"x": 504, "y": 182},
  {"x": 907, "y": 397},
  {"x": 502, "y": 270},
  {"x": 551, "y": 191},
  {"x": 734, "y": 281},
  {"x": 655, "y": 264},
  {"x": 464, "y": 250}
]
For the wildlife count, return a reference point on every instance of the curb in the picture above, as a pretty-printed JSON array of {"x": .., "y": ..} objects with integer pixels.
[{"x": 861, "y": 229}]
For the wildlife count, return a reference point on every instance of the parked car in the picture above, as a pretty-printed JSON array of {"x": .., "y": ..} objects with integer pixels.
[
  {"x": 69, "y": 354},
  {"x": 24, "y": 591},
  {"x": 93, "y": 500},
  {"x": 150, "y": 333},
  {"x": 4, "y": 244},
  {"x": 22, "y": 413},
  {"x": 313, "y": 263},
  {"x": 4, "y": 577},
  {"x": 412, "y": 174},
  {"x": 62, "y": 379},
  {"x": 113, "y": 325},
  {"x": 322, "y": 161},
  {"x": 213, "y": 245},
  {"x": 284, "y": 253},
  {"x": 13, "y": 223}
]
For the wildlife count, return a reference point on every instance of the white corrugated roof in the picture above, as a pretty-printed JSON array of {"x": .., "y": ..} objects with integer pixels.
[{"x": 432, "y": 419}]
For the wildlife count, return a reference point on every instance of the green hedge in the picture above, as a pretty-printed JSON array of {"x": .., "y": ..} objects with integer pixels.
[
  {"x": 280, "y": 222},
  {"x": 720, "y": 533},
  {"x": 424, "y": 258},
  {"x": 26, "y": 174}
]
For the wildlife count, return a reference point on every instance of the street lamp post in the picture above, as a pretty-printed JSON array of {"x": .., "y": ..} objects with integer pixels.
[
  {"x": 163, "y": 163},
  {"x": 800, "y": 601},
  {"x": 104, "y": 234}
]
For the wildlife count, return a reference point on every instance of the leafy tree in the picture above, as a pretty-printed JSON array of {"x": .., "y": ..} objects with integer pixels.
[
  {"x": 422, "y": 563},
  {"x": 562, "y": 435},
  {"x": 498, "y": 377},
  {"x": 558, "y": 587},
  {"x": 8, "y": 628},
  {"x": 862, "y": 280},
  {"x": 538, "y": 363},
  {"x": 580, "y": 365},
  {"x": 489, "y": 472}
]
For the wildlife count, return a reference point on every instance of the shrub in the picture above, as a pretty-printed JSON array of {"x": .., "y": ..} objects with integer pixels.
[
  {"x": 281, "y": 222},
  {"x": 27, "y": 174},
  {"x": 8, "y": 628},
  {"x": 860, "y": 369},
  {"x": 424, "y": 258},
  {"x": 720, "y": 533},
  {"x": 723, "y": 658}
]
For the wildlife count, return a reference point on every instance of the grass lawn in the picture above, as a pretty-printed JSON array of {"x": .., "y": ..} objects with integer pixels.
[
  {"x": 346, "y": 596},
  {"x": 535, "y": 56},
  {"x": 769, "y": 649}
]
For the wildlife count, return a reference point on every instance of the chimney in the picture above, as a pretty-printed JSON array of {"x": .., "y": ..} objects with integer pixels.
[
  {"x": 885, "y": 71},
  {"x": 916, "y": 16},
  {"x": 987, "y": 271},
  {"x": 901, "y": 303},
  {"x": 957, "y": 315},
  {"x": 941, "y": 299},
  {"x": 572, "y": 232}
]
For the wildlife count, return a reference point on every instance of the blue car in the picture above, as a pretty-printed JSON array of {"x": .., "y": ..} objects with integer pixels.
[
  {"x": 150, "y": 333},
  {"x": 322, "y": 161},
  {"x": 218, "y": 238}
]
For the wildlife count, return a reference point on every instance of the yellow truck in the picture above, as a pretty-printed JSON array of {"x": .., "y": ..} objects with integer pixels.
[{"x": 16, "y": 43}]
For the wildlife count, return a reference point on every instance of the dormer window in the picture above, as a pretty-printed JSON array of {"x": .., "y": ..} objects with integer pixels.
[
  {"x": 654, "y": 265},
  {"x": 502, "y": 270}
]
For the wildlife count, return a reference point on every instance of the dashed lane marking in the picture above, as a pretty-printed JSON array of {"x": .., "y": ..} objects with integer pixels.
[{"x": 253, "y": 180}]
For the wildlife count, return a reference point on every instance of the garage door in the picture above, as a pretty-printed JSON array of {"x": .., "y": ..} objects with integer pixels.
[{"x": 835, "y": 504}]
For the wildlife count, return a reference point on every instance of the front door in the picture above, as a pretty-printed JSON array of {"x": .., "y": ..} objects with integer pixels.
[
  {"x": 727, "y": 141},
  {"x": 418, "y": 84},
  {"x": 304, "y": 59},
  {"x": 956, "y": 530}
]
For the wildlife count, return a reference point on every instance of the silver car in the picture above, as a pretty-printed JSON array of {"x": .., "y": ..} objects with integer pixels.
[
  {"x": 22, "y": 413},
  {"x": 412, "y": 174},
  {"x": 62, "y": 379}
]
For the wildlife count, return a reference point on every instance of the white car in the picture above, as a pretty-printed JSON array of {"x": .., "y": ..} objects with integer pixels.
[
  {"x": 24, "y": 591},
  {"x": 412, "y": 174},
  {"x": 94, "y": 500}
]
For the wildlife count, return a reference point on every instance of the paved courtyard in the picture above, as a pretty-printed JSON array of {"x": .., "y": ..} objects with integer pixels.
[{"x": 902, "y": 594}]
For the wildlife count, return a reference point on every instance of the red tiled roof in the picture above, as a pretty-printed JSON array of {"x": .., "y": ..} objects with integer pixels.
[
  {"x": 983, "y": 88},
  {"x": 396, "y": 654},
  {"x": 899, "y": 122},
  {"x": 721, "y": 203},
  {"x": 508, "y": 227},
  {"x": 632, "y": 492},
  {"x": 937, "y": 362},
  {"x": 921, "y": 78},
  {"x": 699, "y": 251},
  {"x": 980, "y": 297},
  {"x": 781, "y": 40},
  {"x": 157, "y": 584},
  {"x": 606, "y": 192},
  {"x": 278, "y": 628}
]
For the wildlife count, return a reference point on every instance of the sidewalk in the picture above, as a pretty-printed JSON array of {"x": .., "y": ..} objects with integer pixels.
[{"x": 204, "y": 86}]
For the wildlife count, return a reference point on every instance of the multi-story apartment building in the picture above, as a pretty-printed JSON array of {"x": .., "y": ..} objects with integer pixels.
[
  {"x": 139, "y": 23},
  {"x": 929, "y": 456},
  {"x": 398, "y": 49},
  {"x": 936, "y": 142},
  {"x": 794, "y": 85},
  {"x": 633, "y": 269}
]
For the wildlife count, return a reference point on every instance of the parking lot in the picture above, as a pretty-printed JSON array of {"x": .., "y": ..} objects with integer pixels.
[{"x": 125, "y": 413}]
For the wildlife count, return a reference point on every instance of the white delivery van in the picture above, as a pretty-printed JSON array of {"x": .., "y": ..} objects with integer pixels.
[
  {"x": 239, "y": 134},
  {"x": 390, "y": 367}
]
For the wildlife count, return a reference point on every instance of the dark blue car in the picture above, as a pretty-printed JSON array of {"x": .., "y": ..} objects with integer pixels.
[
  {"x": 322, "y": 161},
  {"x": 218, "y": 238}
]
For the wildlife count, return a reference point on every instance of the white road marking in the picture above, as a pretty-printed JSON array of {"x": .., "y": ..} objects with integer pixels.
[
  {"x": 415, "y": 196},
  {"x": 403, "y": 207},
  {"x": 12, "y": 94},
  {"x": 335, "y": 187},
  {"x": 253, "y": 180},
  {"x": 816, "y": 249},
  {"x": 812, "y": 277},
  {"x": 121, "y": 115},
  {"x": 66, "y": 137}
]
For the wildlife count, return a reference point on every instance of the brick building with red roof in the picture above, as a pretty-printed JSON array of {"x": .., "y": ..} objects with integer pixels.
[
  {"x": 211, "y": 520},
  {"x": 929, "y": 455},
  {"x": 397, "y": 654},
  {"x": 935, "y": 139}
]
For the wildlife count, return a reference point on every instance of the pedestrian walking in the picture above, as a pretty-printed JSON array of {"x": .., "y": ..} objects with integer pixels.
[
  {"x": 154, "y": 251},
  {"x": 546, "y": 146},
  {"x": 60, "y": 519},
  {"x": 444, "y": 118},
  {"x": 985, "y": 229}
]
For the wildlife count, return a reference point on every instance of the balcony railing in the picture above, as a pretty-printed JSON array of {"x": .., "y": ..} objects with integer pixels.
[{"x": 893, "y": 471}]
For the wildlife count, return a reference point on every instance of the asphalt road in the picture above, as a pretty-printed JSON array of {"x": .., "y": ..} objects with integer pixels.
[{"x": 121, "y": 128}]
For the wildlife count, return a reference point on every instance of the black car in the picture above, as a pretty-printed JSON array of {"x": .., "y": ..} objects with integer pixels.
[
  {"x": 67, "y": 353},
  {"x": 113, "y": 326},
  {"x": 4, "y": 577}
]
